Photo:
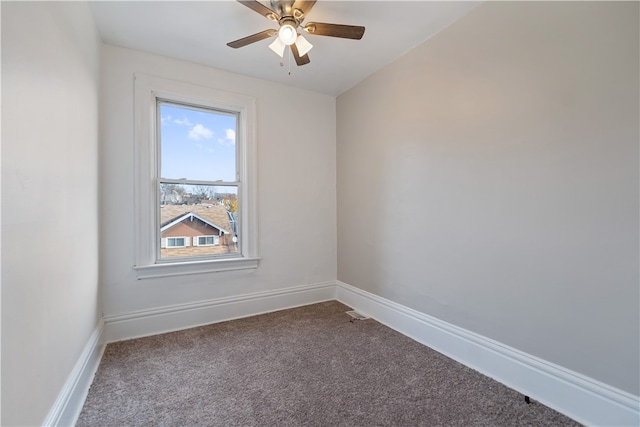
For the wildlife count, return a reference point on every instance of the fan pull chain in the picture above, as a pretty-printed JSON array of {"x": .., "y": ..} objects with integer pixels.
[{"x": 288, "y": 60}]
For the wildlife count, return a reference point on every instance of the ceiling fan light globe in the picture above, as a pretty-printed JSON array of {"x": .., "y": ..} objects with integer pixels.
[
  {"x": 287, "y": 34},
  {"x": 278, "y": 47},
  {"x": 303, "y": 45}
]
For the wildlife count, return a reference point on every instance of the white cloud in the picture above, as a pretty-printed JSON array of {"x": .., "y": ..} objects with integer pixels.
[
  {"x": 230, "y": 137},
  {"x": 184, "y": 121},
  {"x": 165, "y": 119},
  {"x": 198, "y": 132}
]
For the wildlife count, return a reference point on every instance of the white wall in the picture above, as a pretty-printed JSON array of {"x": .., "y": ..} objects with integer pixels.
[
  {"x": 489, "y": 178},
  {"x": 50, "y": 306},
  {"x": 296, "y": 187}
]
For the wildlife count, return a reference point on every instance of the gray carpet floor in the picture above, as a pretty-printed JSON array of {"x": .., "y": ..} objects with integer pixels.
[{"x": 308, "y": 366}]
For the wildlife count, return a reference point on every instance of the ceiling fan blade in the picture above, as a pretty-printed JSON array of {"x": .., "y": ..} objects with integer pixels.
[
  {"x": 252, "y": 38},
  {"x": 335, "y": 30},
  {"x": 260, "y": 8},
  {"x": 300, "y": 60},
  {"x": 304, "y": 6}
]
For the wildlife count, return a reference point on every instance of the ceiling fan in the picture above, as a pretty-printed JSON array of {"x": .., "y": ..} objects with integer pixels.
[{"x": 290, "y": 16}]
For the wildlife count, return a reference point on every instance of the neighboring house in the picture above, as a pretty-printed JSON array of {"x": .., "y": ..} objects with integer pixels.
[{"x": 192, "y": 230}]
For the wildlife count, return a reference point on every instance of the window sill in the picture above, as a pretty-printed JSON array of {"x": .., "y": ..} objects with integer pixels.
[{"x": 195, "y": 267}]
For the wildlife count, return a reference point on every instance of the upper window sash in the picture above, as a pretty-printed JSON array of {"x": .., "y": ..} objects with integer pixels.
[
  {"x": 208, "y": 109},
  {"x": 148, "y": 90}
]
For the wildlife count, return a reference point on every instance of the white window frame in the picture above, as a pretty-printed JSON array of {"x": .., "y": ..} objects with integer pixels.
[{"x": 148, "y": 90}]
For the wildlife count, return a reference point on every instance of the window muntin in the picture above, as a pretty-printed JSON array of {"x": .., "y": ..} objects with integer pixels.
[{"x": 198, "y": 178}]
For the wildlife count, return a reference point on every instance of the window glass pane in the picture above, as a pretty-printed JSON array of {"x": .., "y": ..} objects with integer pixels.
[
  {"x": 173, "y": 241},
  {"x": 206, "y": 214},
  {"x": 197, "y": 144}
]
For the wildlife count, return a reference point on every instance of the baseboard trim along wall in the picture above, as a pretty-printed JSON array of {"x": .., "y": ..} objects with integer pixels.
[
  {"x": 67, "y": 407},
  {"x": 582, "y": 398},
  {"x": 182, "y": 316}
]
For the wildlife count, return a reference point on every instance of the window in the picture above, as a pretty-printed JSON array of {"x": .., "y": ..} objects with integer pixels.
[
  {"x": 198, "y": 181},
  {"x": 207, "y": 241},
  {"x": 175, "y": 242},
  {"x": 195, "y": 179}
]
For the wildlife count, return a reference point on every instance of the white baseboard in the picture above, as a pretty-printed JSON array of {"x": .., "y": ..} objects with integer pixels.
[
  {"x": 182, "y": 316},
  {"x": 582, "y": 398},
  {"x": 579, "y": 397},
  {"x": 67, "y": 407}
]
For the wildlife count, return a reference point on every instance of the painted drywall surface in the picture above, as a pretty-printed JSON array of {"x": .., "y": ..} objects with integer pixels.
[
  {"x": 50, "y": 85},
  {"x": 490, "y": 178},
  {"x": 296, "y": 186}
]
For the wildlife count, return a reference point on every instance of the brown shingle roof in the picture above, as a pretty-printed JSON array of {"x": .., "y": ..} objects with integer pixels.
[{"x": 215, "y": 214}]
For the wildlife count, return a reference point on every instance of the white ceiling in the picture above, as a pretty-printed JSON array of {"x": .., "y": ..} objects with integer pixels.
[{"x": 197, "y": 31}]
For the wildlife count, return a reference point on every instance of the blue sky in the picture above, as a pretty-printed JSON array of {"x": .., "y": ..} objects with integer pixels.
[{"x": 197, "y": 144}]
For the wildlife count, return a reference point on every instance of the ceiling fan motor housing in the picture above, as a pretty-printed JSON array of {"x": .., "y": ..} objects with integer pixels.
[{"x": 284, "y": 8}]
